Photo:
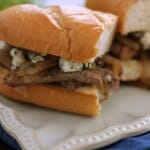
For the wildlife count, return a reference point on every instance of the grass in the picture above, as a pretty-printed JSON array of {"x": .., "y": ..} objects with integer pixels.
[{"x": 7, "y": 3}]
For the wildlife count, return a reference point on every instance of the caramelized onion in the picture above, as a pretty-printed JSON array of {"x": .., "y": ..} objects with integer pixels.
[
  {"x": 32, "y": 69},
  {"x": 115, "y": 64},
  {"x": 128, "y": 42},
  {"x": 5, "y": 58},
  {"x": 145, "y": 78}
]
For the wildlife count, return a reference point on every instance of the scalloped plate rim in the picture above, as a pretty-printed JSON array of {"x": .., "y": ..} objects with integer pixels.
[{"x": 107, "y": 136}]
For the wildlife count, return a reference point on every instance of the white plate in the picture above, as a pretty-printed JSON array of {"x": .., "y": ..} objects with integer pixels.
[{"x": 126, "y": 113}]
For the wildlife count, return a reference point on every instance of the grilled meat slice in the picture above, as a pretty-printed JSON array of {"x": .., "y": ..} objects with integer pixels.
[{"x": 97, "y": 77}]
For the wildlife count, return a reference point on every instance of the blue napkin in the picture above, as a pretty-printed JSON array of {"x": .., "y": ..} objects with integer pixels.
[
  {"x": 8, "y": 139},
  {"x": 141, "y": 142}
]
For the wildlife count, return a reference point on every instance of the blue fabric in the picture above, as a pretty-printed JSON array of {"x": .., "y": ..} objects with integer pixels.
[
  {"x": 141, "y": 142},
  {"x": 8, "y": 139}
]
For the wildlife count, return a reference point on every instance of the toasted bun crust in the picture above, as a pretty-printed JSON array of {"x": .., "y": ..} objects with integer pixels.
[
  {"x": 68, "y": 32},
  {"x": 82, "y": 101},
  {"x": 133, "y": 14}
]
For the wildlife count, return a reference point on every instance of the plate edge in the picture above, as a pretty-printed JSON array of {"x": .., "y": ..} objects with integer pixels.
[
  {"x": 26, "y": 140},
  {"x": 112, "y": 133},
  {"x": 23, "y": 135}
]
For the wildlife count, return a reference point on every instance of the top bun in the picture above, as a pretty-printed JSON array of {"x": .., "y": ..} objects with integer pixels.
[
  {"x": 133, "y": 14},
  {"x": 74, "y": 33}
]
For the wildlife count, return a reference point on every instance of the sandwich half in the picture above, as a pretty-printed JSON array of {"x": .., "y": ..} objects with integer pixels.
[
  {"x": 132, "y": 41},
  {"x": 55, "y": 57}
]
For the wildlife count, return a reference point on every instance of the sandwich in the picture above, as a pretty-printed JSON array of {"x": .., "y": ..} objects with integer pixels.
[
  {"x": 56, "y": 57},
  {"x": 132, "y": 41}
]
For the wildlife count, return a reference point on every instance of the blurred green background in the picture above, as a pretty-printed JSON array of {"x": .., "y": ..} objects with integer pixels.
[{"x": 7, "y": 3}]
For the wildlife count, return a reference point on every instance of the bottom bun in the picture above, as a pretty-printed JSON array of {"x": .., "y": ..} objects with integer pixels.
[{"x": 84, "y": 101}]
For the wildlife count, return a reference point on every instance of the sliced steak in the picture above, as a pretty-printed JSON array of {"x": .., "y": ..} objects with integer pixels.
[{"x": 97, "y": 77}]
